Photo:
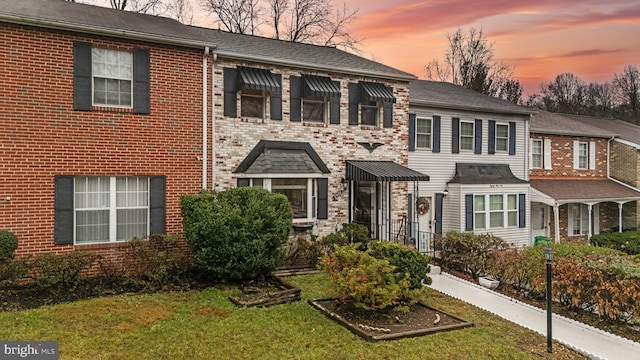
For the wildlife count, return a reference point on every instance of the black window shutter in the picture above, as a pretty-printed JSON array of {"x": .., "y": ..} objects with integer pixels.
[
  {"x": 512, "y": 138},
  {"x": 492, "y": 137},
  {"x": 323, "y": 199},
  {"x": 295, "y": 110},
  {"x": 412, "y": 132},
  {"x": 387, "y": 115},
  {"x": 468, "y": 212},
  {"x": 63, "y": 219},
  {"x": 334, "y": 107},
  {"x": 522, "y": 210},
  {"x": 230, "y": 92},
  {"x": 276, "y": 99},
  {"x": 81, "y": 76},
  {"x": 141, "y": 80},
  {"x": 455, "y": 135},
  {"x": 435, "y": 134},
  {"x": 477, "y": 147},
  {"x": 354, "y": 101},
  {"x": 157, "y": 205},
  {"x": 242, "y": 182},
  {"x": 438, "y": 213}
]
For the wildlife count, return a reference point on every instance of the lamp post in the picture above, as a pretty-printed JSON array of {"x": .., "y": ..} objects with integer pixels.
[{"x": 548, "y": 255}]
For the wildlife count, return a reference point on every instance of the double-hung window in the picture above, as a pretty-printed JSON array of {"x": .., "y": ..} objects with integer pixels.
[
  {"x": 112, "y": 72},
  {"x": 536, "y": 154},
  {"x": 301, "y": 193},
  {"x": 371, "y": 104},
  {"x": 109, "y": 209},
  {"x": 502, "y": 137},
  {"x": 466, "y": 135},
  {"x": 252, "y": 103},
  {"x": 583, "y": 155},
  {"x": 502, "y": 209},
  {"x": 423, "y": 133},
  {"x": 578, "y": 219},
  {"x": 314, "y": 110},
  {"x": 369, "y": 113}
]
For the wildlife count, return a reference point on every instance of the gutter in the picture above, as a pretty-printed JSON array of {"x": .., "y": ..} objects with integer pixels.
[{"x": 99, "y": 30}]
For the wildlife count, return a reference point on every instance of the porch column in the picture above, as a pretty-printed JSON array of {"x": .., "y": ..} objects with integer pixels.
[
  {"x": 589, "y": 233},
  {"x": 556, "y": 221},
  {"x": 620, "y": 216}
]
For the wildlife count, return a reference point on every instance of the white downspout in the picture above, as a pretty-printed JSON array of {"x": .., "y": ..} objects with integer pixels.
[
  {"x": 214, "y": 185},
  {"x": 204, "y": 116}
]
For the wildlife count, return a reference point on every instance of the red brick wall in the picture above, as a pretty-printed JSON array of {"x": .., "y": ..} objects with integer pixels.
[
  {"x": 562, "y": 158},
  {"x": 42, "y": 136}
]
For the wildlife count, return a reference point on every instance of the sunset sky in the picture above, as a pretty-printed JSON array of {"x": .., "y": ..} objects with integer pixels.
[{"x": 591, "y": 38}]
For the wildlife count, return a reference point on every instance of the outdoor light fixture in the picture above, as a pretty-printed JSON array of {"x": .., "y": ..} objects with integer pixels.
[
  {"x": 345, "y": 183},
  {"x": 548, "y": 255},
  {"x": 445, "y": 192}
]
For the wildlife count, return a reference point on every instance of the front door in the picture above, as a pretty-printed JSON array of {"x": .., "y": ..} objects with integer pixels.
[
  {"x": 364, "y": 205},
  {"x": 424, "y": 208},
  {"x": 539, "y": 220}
]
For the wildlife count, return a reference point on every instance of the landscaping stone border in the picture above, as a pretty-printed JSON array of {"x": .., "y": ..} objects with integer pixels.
[{"x": 290, "y": 293}]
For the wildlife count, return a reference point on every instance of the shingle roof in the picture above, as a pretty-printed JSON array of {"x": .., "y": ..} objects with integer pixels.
[
  {"x": 472, "y": 173},
  {"x": 66, "y": 15},
  {"x": 565, "y": 191},
  {"x": 282, "y": 157},
  {"x": 625, "y": 130},
  {"x": 450, "y": 96},
  {"x": 545, "y": 122},
  {"x": 272, "y": 51}
]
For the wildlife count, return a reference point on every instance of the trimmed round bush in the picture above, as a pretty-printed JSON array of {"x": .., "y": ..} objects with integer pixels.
[
  {"x": 8, "y": 245},
  {"x": 238, "y": 234}
]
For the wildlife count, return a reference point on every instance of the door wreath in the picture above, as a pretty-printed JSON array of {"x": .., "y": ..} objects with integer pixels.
[{"x": 423, "y": 205}]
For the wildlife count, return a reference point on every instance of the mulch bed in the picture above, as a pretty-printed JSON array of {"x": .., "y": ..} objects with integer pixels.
[
  {"x": 266, "y": 292},
  {"x": 376, "y": 326}
]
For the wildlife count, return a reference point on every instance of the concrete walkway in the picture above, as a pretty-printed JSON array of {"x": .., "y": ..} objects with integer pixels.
[{"x": 587, "y": 340}]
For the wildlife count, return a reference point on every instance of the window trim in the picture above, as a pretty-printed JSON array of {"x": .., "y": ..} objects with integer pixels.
[
  {"x": 506, "y": 139},
  {"x": 112, "y": 209},
  {"x": 430, "y": 134},
  {"x": 584, "y": 219},
  {"x": 325, "y": 109},
  {"x": 94, "y": 76},
  {"x": 369, "y": 105},
  {"x": 487, "y": 211},
  {"x": 472, "y": 137},
  {"x": 249, "y": 94},
  {"x": 541, "y": 154}
]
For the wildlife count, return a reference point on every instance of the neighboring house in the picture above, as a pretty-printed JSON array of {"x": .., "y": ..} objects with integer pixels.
[
  {"x": 324, "y": 127},
  {"x": 474, "y": 148},
  {"x": 573, "y": 196},
  {"x": 100, "y": 124}
]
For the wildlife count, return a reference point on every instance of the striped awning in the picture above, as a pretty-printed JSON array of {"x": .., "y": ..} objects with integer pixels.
[
  {"x": 376, "y": 92},
  {"x": 256, "y": 79},
  {"x": 319, "y": 86},
  {"x": 364, "y": 170}
]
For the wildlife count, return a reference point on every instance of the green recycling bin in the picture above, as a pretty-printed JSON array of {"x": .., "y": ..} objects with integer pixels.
[{"x": 541, "y": 239}]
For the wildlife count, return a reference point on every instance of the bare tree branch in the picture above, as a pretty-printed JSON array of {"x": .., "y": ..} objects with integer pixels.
[
  {"x": 629, "y": 85},
  {"x": 237, "y": 16}
]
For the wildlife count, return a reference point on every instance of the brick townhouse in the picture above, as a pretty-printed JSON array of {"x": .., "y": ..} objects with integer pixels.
[
  {"x": 110, "y": 116},
  {"x": 101, "y": 124},
  {"x": 573, "y": 193}
]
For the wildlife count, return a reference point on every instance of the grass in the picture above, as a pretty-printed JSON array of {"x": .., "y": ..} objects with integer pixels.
[{"x": 206, "y": 325}]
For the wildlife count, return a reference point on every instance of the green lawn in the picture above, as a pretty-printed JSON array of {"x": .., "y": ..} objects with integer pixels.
[{"x": 205, "y": 325}]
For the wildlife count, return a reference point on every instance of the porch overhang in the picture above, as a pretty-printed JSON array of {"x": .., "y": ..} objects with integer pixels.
[
  {"x": 365, "y": 170},
  {"x": 559, "y": 192}
]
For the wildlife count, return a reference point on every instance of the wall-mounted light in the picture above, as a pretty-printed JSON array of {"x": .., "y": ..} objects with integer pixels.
[
  {"x": 445, "y": 192},
  {"x": 345, "y": 183}
]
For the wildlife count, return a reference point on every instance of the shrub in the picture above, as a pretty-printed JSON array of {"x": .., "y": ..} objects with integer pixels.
[
  {"x": 59, "y": 272},
  {"x": 157, "y": 262},
  {"x": 517, "y": 267},
  {"x": 302, "y": 253},
  {"x": 8, "y": 245},
  {"x": 467, "y": 252},
  {"x": 407, "y": 261},
  {"x": 370, "y": 283},
  {"x": 355, "y": 233},
  {"x": 628, "y": 241},
  {"x": 237, "y": 234}
]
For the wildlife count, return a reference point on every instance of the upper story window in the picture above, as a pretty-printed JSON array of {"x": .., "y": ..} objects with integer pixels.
[
  {"x": 252, "y": 103},
  {"x": 111, "y": 78},
  {"x": 423, "y": 133},
  {"x": 314, "y": 110},
  {"x": 314, "y": 99},
  {"x": 584, "y": 155},
  {"x": 257, "y": 87},
  {"x": 536, "y": 153},
  {"x": 366, "y": 100},
  {"x": 502, "y": 137},
  {"x": 466, "y": 135}
]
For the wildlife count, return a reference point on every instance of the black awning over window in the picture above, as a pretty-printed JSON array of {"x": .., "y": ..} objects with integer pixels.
[
  {"x": 319, "y": 86},
  {"x": 376, "y": 92},
  {"x": 362, "y": 170},
  {"x": 256, "y": 79}
]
